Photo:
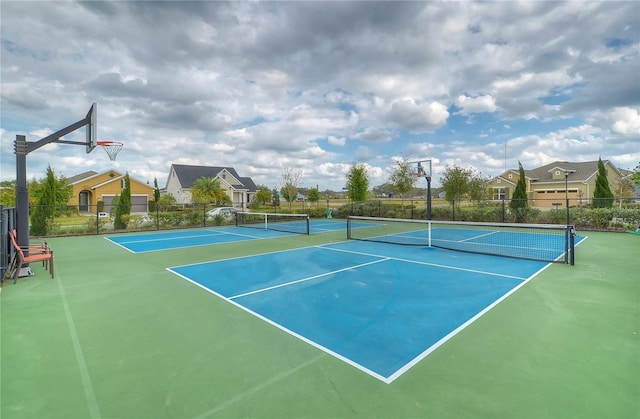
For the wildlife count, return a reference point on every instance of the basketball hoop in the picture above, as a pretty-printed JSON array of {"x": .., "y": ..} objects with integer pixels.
[{"x": 111, "y": 147}]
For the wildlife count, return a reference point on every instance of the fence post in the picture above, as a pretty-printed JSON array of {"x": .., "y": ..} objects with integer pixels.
[{"x": 97, "y": 221}]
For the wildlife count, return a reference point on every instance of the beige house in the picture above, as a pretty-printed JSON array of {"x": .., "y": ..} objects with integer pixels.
[
  {"x": 549, "y": 185},
  {"x": 91, "y": 187}
]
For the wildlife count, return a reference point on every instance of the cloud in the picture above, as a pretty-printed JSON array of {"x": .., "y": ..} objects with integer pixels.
[
  {"x": 477, "y": 104},
  {"x": 418, "y": 117},
  {"x": 319, "y": 85}
]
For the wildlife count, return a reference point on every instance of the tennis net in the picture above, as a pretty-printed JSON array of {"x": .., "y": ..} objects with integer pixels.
[
  {"x": 288, "y": 223},
  {"x": 542, "y": 242}
]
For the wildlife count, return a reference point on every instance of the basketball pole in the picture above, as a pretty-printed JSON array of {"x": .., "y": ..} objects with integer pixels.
[
  {"x": 428, "y": 197},
  {"x": 22, "y": 148}
]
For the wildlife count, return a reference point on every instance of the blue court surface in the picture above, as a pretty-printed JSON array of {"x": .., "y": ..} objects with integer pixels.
[
  {"x": 381, "y": 308},
  {"x": 176, "y": 239}
]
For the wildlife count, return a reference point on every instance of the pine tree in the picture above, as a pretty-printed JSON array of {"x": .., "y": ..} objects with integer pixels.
[
  {"x": 357, "y": 182},
  {"x": 602, "y": 195},
  {"x": 124, "y": 206},
  {"x": 42, "y": 216},
  {"x": 519, "y": 203}
]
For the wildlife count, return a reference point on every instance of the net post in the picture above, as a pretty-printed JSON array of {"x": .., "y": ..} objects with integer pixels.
[
  {"x": 572, "y": 244},
  {"x": 308, "y": 225},
  {"x": 429, "y": 232}
]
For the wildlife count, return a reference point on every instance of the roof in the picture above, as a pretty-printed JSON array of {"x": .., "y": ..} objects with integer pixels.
[
  {"x": 81, "y": 176},
  {"x": 578, "y": 171},
  {"x": 85, "y": 177},
  {"x": 187, "y": 175}
]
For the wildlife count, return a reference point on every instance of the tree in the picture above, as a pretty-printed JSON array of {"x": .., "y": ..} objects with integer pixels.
[
  {"x": 519, "y": 203},
  {"x": 386, "y": 189},
  {"x": 624, "y": 189},
  {"x": 313, "y": 195},
  {"x": 62, "y": 191},
  {"x": 207, "y": 190},
  {"x": 42, "y": 216},
  {"x": 165, "y": 202},
  {"x": 8, "y": 193},
  {"x": 123, "y": 207},
  {"x": 153, "y": 205},
  {"x": 401, "y": 178},
  {"x": 635, "y": 177},
  {"x": 455, "y": 183},
  {"x": 602, "y": 195},
  {"x": 276, "y": 197},
  {"x": 478, "y": 187},
  {"x": 263, "y": 195},
  {"x": 289, "y": 184},
  {"x": 156, "y": 190},
  {"x": 357, "y": 182}
]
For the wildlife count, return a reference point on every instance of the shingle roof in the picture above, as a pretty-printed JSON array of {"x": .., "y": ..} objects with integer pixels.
[
  {"x": 579, "y": 171},
  {"x": 81, "y": 176},
  {"x": 188, "y": 174}
]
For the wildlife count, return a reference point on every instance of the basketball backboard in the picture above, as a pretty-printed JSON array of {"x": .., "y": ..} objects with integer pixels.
[
  {"x": 421, "y": 168},
  {"x": 92, "y": 128}
]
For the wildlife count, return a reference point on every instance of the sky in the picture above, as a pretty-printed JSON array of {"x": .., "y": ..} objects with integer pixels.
[{"x": 316, "y": 87}]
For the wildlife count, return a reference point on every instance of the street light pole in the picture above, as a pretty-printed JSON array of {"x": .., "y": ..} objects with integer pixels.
[{"x": 566, "y": 191}]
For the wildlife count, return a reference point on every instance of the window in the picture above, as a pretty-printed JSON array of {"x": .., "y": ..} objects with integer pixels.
[{"x": 499, "y": 193}]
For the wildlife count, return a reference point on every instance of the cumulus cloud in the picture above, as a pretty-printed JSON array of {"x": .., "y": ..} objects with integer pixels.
[
  {"x": 319, "y": 85},
  {"x": 476, "y": 104},
  {"x": 418, "y": 117}
]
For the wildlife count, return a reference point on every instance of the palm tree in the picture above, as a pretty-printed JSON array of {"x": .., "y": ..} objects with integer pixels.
[{"x": 206, "y": 190}]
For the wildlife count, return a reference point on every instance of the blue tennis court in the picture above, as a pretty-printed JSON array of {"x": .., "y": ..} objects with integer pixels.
[
  {"x": 166, "y": 240},
  {"x": 379, "y": 307}
]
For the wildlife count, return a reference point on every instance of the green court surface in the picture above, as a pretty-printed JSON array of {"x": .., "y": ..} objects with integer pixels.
[{"x": 116, "y": 335}]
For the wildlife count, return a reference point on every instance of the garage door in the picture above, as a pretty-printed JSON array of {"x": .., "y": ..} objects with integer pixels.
[{"x": 138, "y": 203}]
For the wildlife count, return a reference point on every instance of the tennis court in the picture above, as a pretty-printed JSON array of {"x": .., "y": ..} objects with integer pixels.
[
  {"x": 176, "y": 239},
  {"x": 379, "y": 307},
  {"x": 118, "y": 334}
]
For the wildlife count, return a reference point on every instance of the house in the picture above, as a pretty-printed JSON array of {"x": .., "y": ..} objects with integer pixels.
[
  {"x": 91, "y": 187},
  {"x": 548, "y": 186},
  {"x": 182, "y": 177}
]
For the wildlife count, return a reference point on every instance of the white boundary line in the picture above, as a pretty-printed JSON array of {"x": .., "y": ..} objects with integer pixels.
[
  {"x": 286, "y": 330},
  {"x": 226, "y": 233},
  {"x": 309, "y": 278},
  {"x": 407, "y": 366}
]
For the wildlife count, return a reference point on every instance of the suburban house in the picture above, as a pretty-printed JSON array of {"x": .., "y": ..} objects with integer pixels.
[
  {"x": 182, "y": 177},
  {"x": 91, "y": 187},
  {"x": 548, "y": 185}
]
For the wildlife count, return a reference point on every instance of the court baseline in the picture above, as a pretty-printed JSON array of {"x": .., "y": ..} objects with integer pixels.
[{"x": 379, "y": 308}]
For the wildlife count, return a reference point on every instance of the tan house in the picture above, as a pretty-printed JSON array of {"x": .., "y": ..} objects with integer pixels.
[
  {"x": 91, "y": 187},
  {"x": 549, "y": 185}
]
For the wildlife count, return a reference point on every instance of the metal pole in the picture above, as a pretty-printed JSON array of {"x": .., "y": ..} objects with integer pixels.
[
  {"x": 566, "y": 193},
  {"x": 22, "y": 193},
  {"x": 428, "y": 197}
]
